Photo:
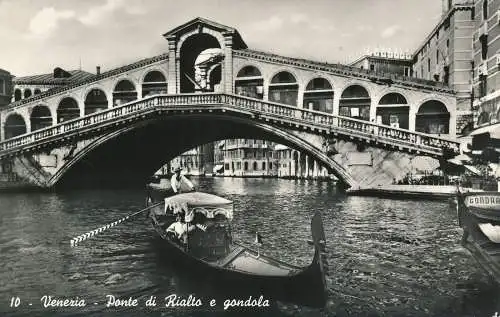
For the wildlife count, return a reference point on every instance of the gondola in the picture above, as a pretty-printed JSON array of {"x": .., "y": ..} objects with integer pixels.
[
  {"x": 478, "y": 215},
  {"x": 484, "y": 206},
  {"x": 206, "y": 247}
]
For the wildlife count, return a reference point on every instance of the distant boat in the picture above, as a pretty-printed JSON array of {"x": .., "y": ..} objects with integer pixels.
[{"x": 206, "y": 246}]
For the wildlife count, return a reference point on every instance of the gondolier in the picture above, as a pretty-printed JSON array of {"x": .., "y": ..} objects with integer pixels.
[{"x": 180, "y": 183}]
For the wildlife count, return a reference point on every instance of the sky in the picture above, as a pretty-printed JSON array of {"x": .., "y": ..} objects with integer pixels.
[{"x": 39, "y": 35}]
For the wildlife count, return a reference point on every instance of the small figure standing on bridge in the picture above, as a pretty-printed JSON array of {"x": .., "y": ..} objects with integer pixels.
[{"x": 180, "y": 183}]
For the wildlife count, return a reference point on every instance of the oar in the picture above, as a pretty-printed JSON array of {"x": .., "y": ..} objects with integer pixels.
[{"x": 94, "y": 232}]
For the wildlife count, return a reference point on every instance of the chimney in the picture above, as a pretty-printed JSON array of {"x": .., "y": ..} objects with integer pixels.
[{"x": 98, "y": 70}]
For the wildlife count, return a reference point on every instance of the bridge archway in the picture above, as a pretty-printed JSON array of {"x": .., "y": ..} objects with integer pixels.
[
  {"x": 18, "y": 95},
  {"x": 124, "y": 92},
  {"x": 319, "y": 95},
  {"x": 214, "y": 77},
  {"x": 95, "y": 101},
  {"x": 433, "y": 118},
  {"x": 355, "y": 102},
  {"x": 284, "y": 88},
  {"x": 141, "y": 159},
  {"x": 37, "y": 91},
  {"x": 27, "y": 93},
  {"x": 154, "y": 83},
  {"x": 67, "y": 110},
  {"x": 189, "y": 51},
  {"x": 14, "y": 126},
  {"x": 393, "y": 110},
  {"x": 249, "y": 82},
  {"x": 40, "y": 117}
]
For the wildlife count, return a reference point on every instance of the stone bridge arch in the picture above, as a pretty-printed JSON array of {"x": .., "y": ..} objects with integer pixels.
[{"x": 147, "y": 155}]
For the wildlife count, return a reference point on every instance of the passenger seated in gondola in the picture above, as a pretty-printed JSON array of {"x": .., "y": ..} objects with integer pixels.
[{"x": 179, "y": 229}]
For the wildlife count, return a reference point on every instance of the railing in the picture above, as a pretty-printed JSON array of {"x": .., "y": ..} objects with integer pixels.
[{"x": 343, "y": 125}]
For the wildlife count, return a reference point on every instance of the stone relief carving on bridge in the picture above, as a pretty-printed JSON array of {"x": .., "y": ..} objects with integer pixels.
[{"x": 206, "y": 62}]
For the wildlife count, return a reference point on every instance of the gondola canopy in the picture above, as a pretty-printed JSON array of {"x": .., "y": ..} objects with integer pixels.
[{"x": 208, "y": 204}]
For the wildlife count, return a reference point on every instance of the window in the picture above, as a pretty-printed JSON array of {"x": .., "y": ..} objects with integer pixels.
[
  {"x": 485, "y": 10},
  {"x": 254, "y": 166},
  {"x": 246, "y": 166},
  {"x": 484, "y": 47},
  {"x": 437, "y": 56},
  {"x": 483, "y": 83},
  {"x": 2, "y": 87},
  {"x": 372, "y": 67},
  {"x": 226, "y": 166},
  {"x": 446, "y": 77},
  {"x": 429, "y": 65},
  {"x": 263, "y": 166},
  {"x": 270, "y": 165},
  {"x": 407, "y": 71}
]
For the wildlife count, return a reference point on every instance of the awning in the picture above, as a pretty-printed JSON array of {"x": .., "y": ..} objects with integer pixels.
[
  {"x": 455, "y": 161},
  {"x": 280, "y": 147},
  {"x": 463, "y": 157},
  {"x": 492, "y": 129},
  {"x": 218, "y": 168},
  {"x": 473, "y": 169}
]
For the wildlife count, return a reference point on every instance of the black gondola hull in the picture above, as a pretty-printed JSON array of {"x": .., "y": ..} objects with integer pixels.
[{"x": 305, "y": 288}]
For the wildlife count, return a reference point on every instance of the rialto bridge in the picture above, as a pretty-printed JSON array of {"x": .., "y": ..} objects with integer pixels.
[{"x": 121, "y": 125}]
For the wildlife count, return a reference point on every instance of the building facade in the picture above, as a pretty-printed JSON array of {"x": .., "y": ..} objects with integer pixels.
[
  {"x": 5, "y": 88},
  {"x": 191, "y": 162},
  {"x": 294, "y": 164},
  {"x": 446, "y": 56},
  {"x": 248, "y": 158},
  {"x": 487, "y": 63},
  {"x": 386, "y": 62}
]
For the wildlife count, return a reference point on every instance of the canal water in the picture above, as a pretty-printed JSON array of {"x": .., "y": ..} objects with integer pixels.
[{"x": 386, "y": 257}]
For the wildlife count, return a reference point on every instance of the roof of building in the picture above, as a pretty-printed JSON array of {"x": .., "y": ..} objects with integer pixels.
[
  {"x": 392, "y": 59},
  {"x": 344, "y": 70},
  {"x": 91, "y": 79},
  {"x": 238, "y": 42},
  {"x": 58, "y": 77}
]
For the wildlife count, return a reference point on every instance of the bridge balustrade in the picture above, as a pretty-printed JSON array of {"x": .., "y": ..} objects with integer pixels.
[{"x": 346, "y": 125}]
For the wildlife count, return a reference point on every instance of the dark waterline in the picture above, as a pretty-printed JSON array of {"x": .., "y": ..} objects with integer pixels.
[{"x": 386, "y": 257}]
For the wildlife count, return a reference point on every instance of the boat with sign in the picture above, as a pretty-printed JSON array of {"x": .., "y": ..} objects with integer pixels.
[
  {"x": 196, "y": 230},
  {"x": 479, "y": 216},
  {"x": 485, "y": 206}
]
